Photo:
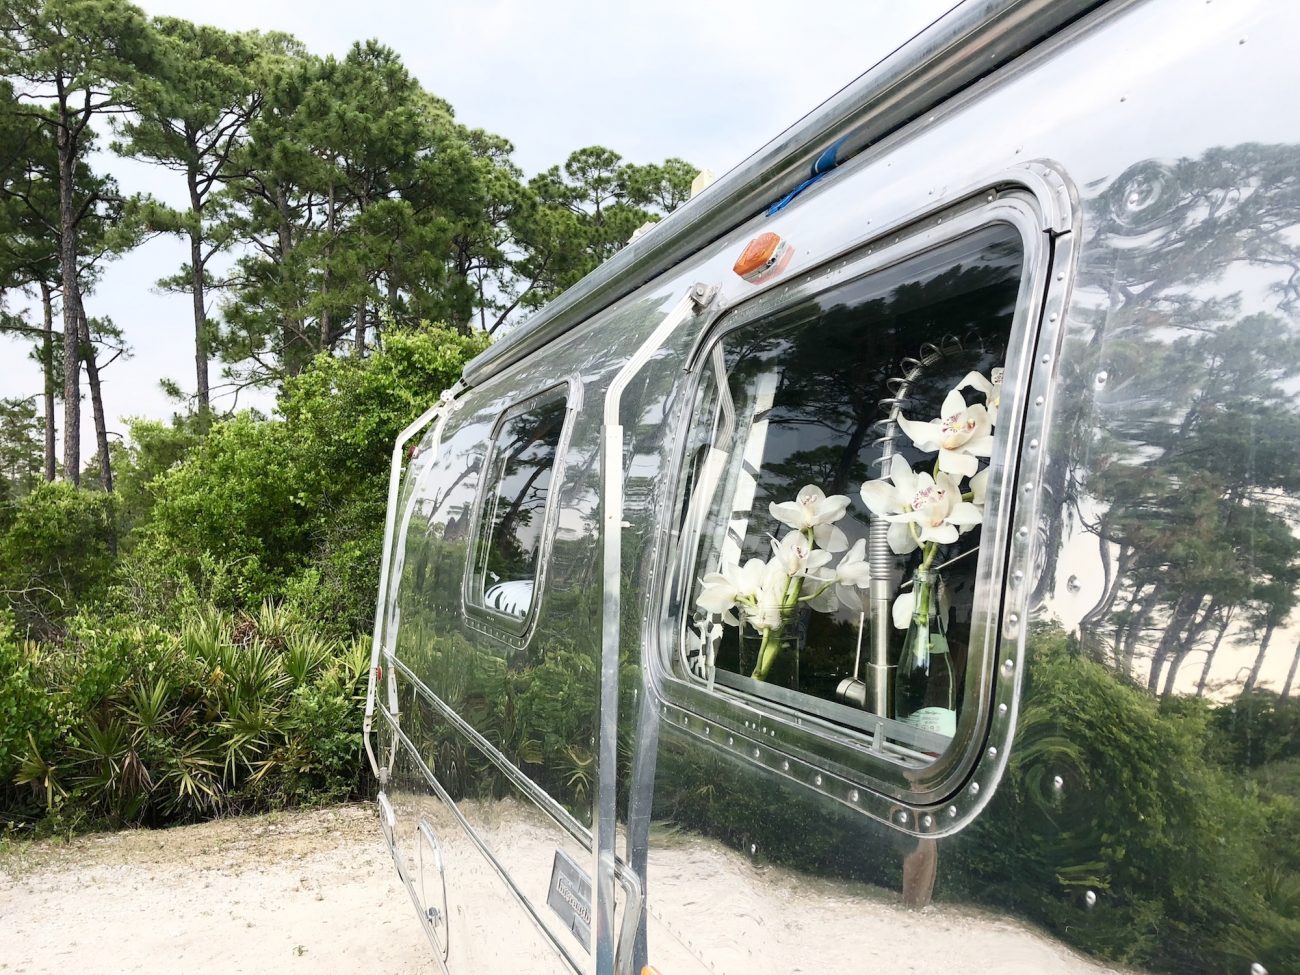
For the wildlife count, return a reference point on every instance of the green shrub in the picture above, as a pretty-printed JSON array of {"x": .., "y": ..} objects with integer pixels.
[
  {"x": 128, "y": 723},
  {"x": 57, "y": 547}
]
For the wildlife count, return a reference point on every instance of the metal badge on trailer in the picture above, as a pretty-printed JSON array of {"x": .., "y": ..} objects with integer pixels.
[{"x": 570, "y": 896}]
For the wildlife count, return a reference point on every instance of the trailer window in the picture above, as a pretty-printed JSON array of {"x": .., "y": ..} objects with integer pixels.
[
  {"x": 861, "y": 418},
  {"x": 513, "y": 508}
]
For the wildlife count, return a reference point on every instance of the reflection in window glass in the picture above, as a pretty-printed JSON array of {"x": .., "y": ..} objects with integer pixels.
[
  {"x": 513, "y": 515},
  {"x": 889, "y": 381}
]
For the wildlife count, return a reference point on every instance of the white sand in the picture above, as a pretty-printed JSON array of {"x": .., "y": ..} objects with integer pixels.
[
  {"x": 317, "y": 892},
  {"x": 301, "y": 892}
]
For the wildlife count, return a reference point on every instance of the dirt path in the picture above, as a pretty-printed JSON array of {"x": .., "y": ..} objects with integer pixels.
[{"x": 298, "y": 892}]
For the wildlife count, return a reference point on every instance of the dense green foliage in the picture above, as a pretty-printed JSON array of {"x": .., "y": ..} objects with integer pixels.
[
  {"x": 56, "y": 551},
  {"x": 187, "y": 644},
  {"x": 131, "y": 723},
  {"x": 1192, "y": 859}
]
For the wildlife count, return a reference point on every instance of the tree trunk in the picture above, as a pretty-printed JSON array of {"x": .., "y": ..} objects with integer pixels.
[
  {"x": 1290, "y": 674},
  {"x": 1184, "y": 611},
  {"x": 201, "y": 389},
  {"x": 1135, "y": 626},
  {"x": 71, "y": 307},
  {"x": 1259, "y": 658},
  {"x": 326, "y": 325},
  {"x": 359, "y": 330},
  {"x": 1188, "y": 644},
  {"x": 1209, "y": 657},
  {"x": 47, "y": 365},
  {"x": 96, "y": 403},
  {"x": 290, "y": 328}
]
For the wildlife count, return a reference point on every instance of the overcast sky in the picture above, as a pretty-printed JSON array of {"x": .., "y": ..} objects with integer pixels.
[{"x": 707, "y": 82}]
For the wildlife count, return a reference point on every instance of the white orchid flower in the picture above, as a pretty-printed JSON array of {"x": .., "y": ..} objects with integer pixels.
[
  {"x": 767, "y": 611},
  {"x": 884, "y": 499},
  {"x": 721, "y": 591},
  {"x": 839, "y": 586},
  {"x": 960, "y": 434},
  {"x": 903, "y": 606},
  {"x": 796, "y": 556},
  {"x": 937, "y": 511},
  {"x": 990, "y": 386},
  {"x": 811, "y": 508}
]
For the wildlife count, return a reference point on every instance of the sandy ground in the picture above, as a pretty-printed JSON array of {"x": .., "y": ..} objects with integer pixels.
[
  {"x": 302, "y": 892},
  {"x": 316, "y": 892}
]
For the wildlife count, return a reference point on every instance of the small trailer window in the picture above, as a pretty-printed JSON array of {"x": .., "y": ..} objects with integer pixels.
[
  {"x": 834, "y": 498},
  {"x": 513, "y": 508}
]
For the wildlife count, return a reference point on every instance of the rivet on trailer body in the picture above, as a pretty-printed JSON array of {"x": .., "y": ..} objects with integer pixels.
[
  {"x": 993, "y": 751},
  {"x": 974, "y": 789},
  {"x": 1002, "y": 709},
  {"x": 1090, "y": 898},
  {"x": 926, "y": 822},
  {"x": 817, "y": 780},
  {"x": 1008, "y": 666},
  {"x": 854, "y": 796},
  {"x": 1058, "y": 783},
  {"x": 952, "y": 812},
  {"x": 902, "y": 818},
  {"x": 1258, "y": 969},
  {"x": 1039, "y": 401}
]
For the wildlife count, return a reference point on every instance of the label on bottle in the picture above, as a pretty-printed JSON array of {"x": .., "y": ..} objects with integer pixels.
[{"x": 941, "y": 721}]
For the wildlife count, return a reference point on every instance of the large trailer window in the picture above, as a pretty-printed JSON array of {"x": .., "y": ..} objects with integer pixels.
[
  {"x": 835, "y": 488},
  {"x": 513, "y": 508}
]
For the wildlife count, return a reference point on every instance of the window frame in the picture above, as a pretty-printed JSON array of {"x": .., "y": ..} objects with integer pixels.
[
  {"x": 845, "y": 763},
  {"x": 512, "y": 630}
]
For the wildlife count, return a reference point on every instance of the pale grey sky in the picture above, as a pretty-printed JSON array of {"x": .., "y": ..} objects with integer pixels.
[{"x": 707, "y": 82}]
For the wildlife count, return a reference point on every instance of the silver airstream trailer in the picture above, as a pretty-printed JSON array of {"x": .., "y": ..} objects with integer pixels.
[{"x": 888, "y": 563}]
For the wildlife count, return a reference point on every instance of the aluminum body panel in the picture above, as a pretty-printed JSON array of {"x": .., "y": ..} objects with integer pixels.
[{"x": 1152, "y": 523}]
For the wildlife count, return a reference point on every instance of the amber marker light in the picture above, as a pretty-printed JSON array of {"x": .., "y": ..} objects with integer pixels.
[
  {"x": 649, "y": 970},
  {"x": 763, "y": 258}
]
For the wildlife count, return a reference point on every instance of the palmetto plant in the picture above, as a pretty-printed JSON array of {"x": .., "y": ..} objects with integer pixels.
[{"x": 232, "y": 713}]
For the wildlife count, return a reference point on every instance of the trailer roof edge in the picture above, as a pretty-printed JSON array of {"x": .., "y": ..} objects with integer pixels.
[{"x": 970, "y": 41}]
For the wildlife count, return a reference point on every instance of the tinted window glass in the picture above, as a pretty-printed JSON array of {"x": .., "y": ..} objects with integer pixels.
[
  {"x": 513, "y": 514},
  {"x": 893, "y": 382}
]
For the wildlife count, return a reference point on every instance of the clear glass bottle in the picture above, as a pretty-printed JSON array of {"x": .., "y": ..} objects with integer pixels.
[{"x": 923, "y": 688}]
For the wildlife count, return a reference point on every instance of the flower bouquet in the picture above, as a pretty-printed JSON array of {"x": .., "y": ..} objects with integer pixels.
[{"x": 926, "y": 510}]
